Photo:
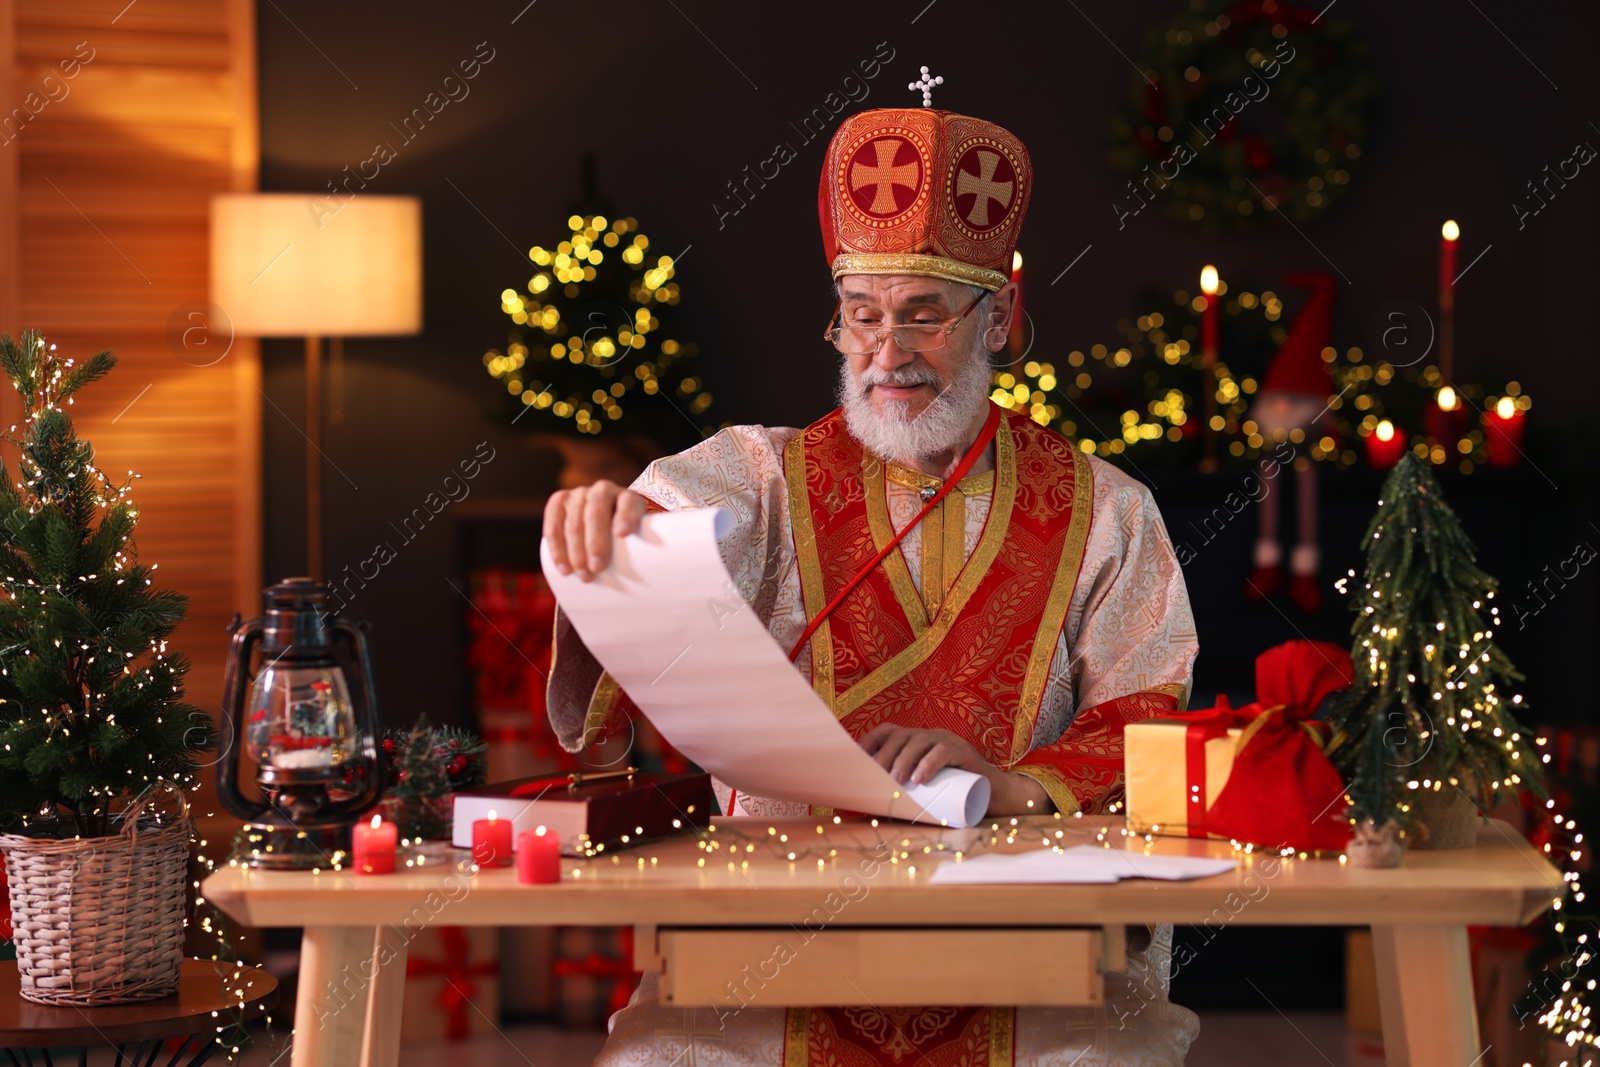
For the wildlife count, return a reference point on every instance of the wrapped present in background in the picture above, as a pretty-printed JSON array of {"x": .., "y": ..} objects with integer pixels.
[
  {"x": 452, "y": 985},
  {"x": 1255, "y": 774},
  {"x": 511, "y": 627},
  {"x": 594, "y": 973},
  {"x": 512, "y": 624}
]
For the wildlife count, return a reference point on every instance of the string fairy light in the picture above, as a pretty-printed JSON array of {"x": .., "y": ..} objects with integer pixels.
[{"x": 1063, "y": 393}]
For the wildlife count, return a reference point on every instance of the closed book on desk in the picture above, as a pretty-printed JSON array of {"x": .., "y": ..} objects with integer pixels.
[{"x": 591, "y": 813}]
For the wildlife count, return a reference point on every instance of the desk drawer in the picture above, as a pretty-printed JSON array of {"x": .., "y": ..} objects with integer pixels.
[{"x": 780, "y": 966}]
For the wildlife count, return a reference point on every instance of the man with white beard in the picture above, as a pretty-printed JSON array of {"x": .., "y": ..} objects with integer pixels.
[{"x": 959, "y": 583}]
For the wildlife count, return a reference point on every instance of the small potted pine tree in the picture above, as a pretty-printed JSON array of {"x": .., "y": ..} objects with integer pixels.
[
  {"x": 1429, "y": 731},
  {"x": 92, "y": 719}
]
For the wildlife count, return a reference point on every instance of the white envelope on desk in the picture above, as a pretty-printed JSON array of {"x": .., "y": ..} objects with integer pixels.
[
  {"x": 1083, "y": 864},
  {"x": 666, "y": 622}
]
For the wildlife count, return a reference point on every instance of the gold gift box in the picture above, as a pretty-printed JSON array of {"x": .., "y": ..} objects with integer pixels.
[{"x": 1160, "y": 797}]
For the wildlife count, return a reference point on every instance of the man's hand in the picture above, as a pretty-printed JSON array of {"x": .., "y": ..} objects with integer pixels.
[
  {"x": 913, "y": 756},
  {"x": 581, "y": 525}
]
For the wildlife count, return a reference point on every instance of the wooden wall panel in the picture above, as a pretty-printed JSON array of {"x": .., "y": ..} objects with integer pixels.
[{"x": 104, "y": 201}]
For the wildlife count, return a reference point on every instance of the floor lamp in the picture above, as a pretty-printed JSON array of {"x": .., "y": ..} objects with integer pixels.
[{"x": 309, "y": 265}]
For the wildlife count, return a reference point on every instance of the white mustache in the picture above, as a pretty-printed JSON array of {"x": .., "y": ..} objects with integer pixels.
[{"x": 903, "y": 376}]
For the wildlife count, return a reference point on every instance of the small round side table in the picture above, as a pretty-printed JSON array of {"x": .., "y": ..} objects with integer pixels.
[{"x": 137, "y": 1032}]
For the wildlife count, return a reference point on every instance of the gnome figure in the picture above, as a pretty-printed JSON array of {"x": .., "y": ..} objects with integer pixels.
[{"x": 1294, "y": 396}]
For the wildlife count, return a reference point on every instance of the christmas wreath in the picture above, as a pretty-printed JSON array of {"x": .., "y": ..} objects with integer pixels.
[{"x": 1241, "y": 109}]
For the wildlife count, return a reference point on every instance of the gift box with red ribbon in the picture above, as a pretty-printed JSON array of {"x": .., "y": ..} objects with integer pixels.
[
  {"x": 1255, "y": 774},
  {"x": 452, "y": 985}
]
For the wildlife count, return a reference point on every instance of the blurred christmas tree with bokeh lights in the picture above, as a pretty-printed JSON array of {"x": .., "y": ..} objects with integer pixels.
[{"x": 595, "y": 346}]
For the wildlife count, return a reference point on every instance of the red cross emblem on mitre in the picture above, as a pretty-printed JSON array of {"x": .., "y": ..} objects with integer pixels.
[{"x": 919, "y": 191}]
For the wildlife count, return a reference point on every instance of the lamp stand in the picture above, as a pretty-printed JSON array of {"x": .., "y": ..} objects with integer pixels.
[{"x": 314, "y": 457}]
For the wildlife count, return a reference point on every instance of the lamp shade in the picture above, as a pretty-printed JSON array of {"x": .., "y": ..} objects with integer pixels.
[{"x": 301, "y": 265}]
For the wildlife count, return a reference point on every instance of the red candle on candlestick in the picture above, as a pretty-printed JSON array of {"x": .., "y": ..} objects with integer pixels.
[
  {"x": 1502, "y": 433},
  {"x": 1209, "y": 285},
  {"x": 1449, "y": 234},
  {"x": 1016, "y": 339},
  {"x": 1385, "y": 446},
  {"x": 491, "y": 842},
  {"x": 372, "y": 846},
  {"x": 538, "y": 857}
]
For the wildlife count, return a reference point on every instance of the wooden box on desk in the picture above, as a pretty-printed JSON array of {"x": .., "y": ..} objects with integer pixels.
[{"x": 1161, "y": 798}]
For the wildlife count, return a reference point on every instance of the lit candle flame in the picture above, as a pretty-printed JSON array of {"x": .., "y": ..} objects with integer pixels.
[
  {"x": 1505, "y": 407},
  {"x": 539, "y": 831},
  {"x": 491, "y": 815},
  {"x": 376, "y": 819},
  {"x": 1016, "y": 262},
  {"x": 1208, "y": 280},
  {"x": 1385, "y": 431},
  {"x": 1447, "y": 399},
  {"x": 1450, "y": 231}
]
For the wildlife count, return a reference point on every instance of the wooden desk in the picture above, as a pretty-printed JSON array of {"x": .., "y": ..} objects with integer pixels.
[{"x": 703, "y": 924}]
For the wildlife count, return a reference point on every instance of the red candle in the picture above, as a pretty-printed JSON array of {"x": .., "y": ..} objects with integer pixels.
[
  {"x": 1208, "y": 317},
  {"x": 1385, "y": 446},
  {"x": 1209, "y": 285},
  {"x": 372, "y": 846},
  {"x": 491, "y": 842},
  {"x": 1502, "y": 433},
  {"x": 1449, "y": 234},
  {"x": 1016, "y": 339},
  {"x": 538, "y": 857},
  {"x": 1442, "y": 418}
]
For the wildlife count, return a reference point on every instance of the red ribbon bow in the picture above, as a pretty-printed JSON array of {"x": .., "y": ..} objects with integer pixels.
[
  {"x": 455, "y": 996},
  {"x": 1282, "y": 792}
]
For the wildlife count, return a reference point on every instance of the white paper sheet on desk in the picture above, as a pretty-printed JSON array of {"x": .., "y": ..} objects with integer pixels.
[
  {"x": 1084, "y": 864},
  {"x": 667, "y": 623}
]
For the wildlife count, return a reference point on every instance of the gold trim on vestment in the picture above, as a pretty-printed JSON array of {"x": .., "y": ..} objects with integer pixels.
[
  {"x": 1054, "y": 783},
  {"x": 1055, "y": 610},
  {"x": 797, "y": 1033},
  {"x": 971, "y": 485},
  {"x": 917, "y": 263},
  {"x": 1002, "y": 1036},
  {"x": 810, "y": 567},
  {"x": 894, "y": 564},
  {"x": 955, "y": 536},
  {"x": 601, "y": 706},
  {"x": 1176, "y": 690},
  {"x": 945, "y": 528},
  {"x": 972, "y": 573},
  {"x": 933, "y": 555}
]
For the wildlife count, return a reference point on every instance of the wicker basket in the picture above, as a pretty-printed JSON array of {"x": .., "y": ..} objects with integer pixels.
[{"x": 99, "y": 920}]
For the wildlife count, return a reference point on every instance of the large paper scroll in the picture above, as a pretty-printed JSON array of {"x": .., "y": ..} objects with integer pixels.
[{"x": 668, "y": 624}]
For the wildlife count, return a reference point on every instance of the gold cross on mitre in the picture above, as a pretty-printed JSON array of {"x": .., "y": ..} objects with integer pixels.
[{"x": 926, "y": 84}]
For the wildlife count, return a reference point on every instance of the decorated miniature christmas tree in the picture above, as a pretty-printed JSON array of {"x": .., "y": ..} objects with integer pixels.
[
  {"x": 92, "y": 699},
  {"x": 426, "y": 766},
  {"x": 1431, "y": 710}
]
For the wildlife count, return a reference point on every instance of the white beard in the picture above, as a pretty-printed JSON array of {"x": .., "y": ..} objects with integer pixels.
[{"x": 943, "y": 425}]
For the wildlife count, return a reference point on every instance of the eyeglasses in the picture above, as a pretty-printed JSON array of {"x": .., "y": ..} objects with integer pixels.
[{"x": 908, "y": 336}]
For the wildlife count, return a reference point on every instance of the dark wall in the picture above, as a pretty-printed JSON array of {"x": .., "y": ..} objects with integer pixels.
[{"x": 676, "y": 98}]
